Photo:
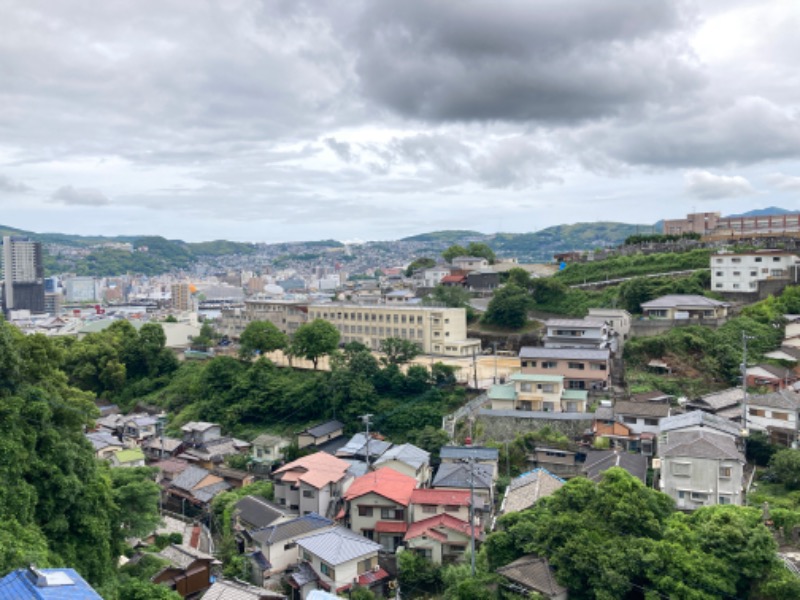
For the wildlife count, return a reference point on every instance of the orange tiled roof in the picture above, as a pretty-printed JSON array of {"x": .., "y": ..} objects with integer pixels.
[
  {"x": 430, "y": 526},
  {"x": 440, "y": 497},
  {"x": 385, "y": 482},
  {"x": 316, "y": 470}
]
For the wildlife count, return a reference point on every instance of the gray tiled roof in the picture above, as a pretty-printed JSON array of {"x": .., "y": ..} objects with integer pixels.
[
  {"x": 786, "y": 399},
  {"x": 719, "y": 400},
  {"x": 103, "y": 439},
  {"x": 183, "y": 556},
  {"x": 323, "y": 429},
  {"x": 604, "y": 413},
  {"x": 533, "y": 573},
  {"x": 406, "y": 453},
  {"x": 357, "y": 446},
  {"x": 208, "y": 493},
  {"x": 295, "y": 528},
  {"x": 524, "y": 491},
  {"x": 565, "y": 353},
  {"x": 223, "y": 589},
  {"x": 457, "y": 475},
  {"x": 599, "y": 461},
  {"x": 642, "y": 409},
  {"x": 258, "y": 512},
  {"x": 682, "y": 300},
  {"x": 700, "y": 444},
  {"x": 338, "y": 545},
  {"x": 590, "y": 323},
  {"x": 476, "y": 452},
  {"x": 699, "y": 418},
  {"x": 189, "y": 478}
]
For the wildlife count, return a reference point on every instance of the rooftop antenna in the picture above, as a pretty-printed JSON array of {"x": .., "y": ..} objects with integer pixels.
[{"x": 366, "y": 419}]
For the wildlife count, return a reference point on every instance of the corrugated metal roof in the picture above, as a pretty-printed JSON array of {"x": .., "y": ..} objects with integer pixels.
[
  {"x": 700, "y": 444},
  {"x": 63, "y": 584},
  {"x": 642, "y": 409},
  {"x": 323, "y": 429},
  {"x": 682, "y": 301},
  {"x": 258, "y": 512},
  {"x": 507, "y": 391},
  {"x": 235, "y": 590},
  {"x": 534, "y": 377},
  {"x": 406, "y": 453},
  {"x": 190, "y": 477},
  {"x": 295, "y": 528},
  {"x": 699, "y": 418},
  {"x": 476, "y": 452},
  {"x": 339, "y": 545},
  {"x": 586, "y": 323},
  {"x": 457, "y": 475}
]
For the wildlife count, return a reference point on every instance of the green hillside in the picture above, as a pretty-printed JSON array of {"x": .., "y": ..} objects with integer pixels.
[{"x": 452, "y": 236}]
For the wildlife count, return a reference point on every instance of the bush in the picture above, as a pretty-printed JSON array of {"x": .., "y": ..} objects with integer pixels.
[{"x": 785, "y": 466}]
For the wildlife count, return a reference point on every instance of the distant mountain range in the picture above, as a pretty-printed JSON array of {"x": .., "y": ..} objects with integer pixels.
[{"x": 763, "y": 212}]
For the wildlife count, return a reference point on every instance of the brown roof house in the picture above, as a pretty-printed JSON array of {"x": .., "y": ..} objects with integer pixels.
[{"x": 189, "y": 570}]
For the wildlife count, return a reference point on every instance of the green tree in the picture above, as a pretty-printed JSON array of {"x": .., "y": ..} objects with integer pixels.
[
  {"x": 449, "y": 296},
  {"x": 454, "y": 251},
  {"x": 508, "y": 307},
  {"x": 398, "y": 351},
  {"x": 422, "y": 262},
  {"x": 314, "y": 340},
  {"x": 262, "y": 337},
  {"x": 520, "y": 277},
  {"x": 418, "y": 576},
  {"x": 481, "y": 250},
  {"x": 785, "y": 466},
  {"x": 206, "y": 338},
  {"x": 136, "y": 496}
]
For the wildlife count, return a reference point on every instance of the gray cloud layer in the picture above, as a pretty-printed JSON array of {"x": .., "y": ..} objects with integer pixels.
[{"x": 288, "y": 110}]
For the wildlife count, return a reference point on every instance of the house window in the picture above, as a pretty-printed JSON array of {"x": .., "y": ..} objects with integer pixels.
[
  {"x": 737, "y": 273},
  {"x": 597, "y": 367},
  {"x": 699, "y": 496},
  {"x": 576, "y": 365},
  {"x": 451, "y": 508},
  {"x": 365, "y": 565},
  {"x": 630, "y": 420},
  {"x": 364, "y": 511},
  {"x": 681, "y": 495},
  {"x": 758, "y": 259},
  {"x": 393, "y": 514},
  {"x": 651, "y": 422},
  {"x": 289, "y": 546},
  {"x": 724, "y": 499},
  {"x": 724, "y": 471},
  {"x": 757, "y": 412},
  {"x": 368, "y": 533},
  {"x": 526, "y": 387},
  {"x": 327, "y": 570},
  {"x": 429, "y": 509},
  {"x": 753, "y": 273},
  {"x": 781, "y": 416},
  {"x": 736, "y": 260},
  {"x": 681, "y": 469},
  {"x": 282, "y": 501},
  {"x": 306, "y": 556},
  {"x": 308, "y": 494},
  {"x": 719, "y": 273},
  {"x": 549, "y": 364},
  {"x": 547, "y": 388}
]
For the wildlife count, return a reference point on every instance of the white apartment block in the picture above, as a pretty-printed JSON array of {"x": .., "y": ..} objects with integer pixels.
[
  {"x": 742, "y": 272},
  {"x": 434, "y": 330}
]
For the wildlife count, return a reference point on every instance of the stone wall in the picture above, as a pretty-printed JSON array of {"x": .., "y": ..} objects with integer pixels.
[
  {"x": 502, "y": 427},
  {"x": 650, "y": 327}
]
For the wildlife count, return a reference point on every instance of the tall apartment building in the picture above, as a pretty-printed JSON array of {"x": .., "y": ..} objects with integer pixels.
[
  {"x": 82, "y": 289},
  {"x": 741, "y": 272},
  {"x": 181, "y": 296},
  {"x": 434, "y": 330},
  {"x": 23, "y": 274}
]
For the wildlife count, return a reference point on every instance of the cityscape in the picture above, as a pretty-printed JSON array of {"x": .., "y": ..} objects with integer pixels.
[{"x": 428, "y": 301}]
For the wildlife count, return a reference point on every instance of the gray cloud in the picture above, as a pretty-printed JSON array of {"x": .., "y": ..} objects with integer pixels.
[
  {"x": 784, "y": 182},
  {"x": 79, "y": 197},
  {"x": 10, "y": 186},
  {"x": 515, "y": 60},
  {"x": 708, "y": 186}
]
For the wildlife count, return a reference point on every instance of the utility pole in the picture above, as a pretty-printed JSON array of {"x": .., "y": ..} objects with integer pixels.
[
  {"x": 471, "y": 461},
  {"x": 475, "y": 368},
  {"x": 745, "y": 337},
  {"x": 366, "y": 420}
]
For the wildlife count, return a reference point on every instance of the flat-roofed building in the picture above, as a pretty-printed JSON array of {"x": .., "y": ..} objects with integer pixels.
[
  {"x": 742, "y": 272},
  {"x": 581, "y": 368},
  {"x": 435, "y": 330}
]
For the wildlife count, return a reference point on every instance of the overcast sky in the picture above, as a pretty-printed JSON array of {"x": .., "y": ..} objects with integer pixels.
[{"x": 298, "y": 120}]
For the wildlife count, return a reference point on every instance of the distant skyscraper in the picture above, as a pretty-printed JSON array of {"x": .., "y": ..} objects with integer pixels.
[{"x": 23, "y": 274}]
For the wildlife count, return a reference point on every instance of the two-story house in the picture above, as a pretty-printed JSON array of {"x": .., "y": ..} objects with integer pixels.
[
  {"x": 469, "y": 263},
  {"x": 196, "y": 433},
  {"x": 776, "y": 414},
  {"x": 273, "y": 549},
  {"x": 581, "y": 368},
  {"x": 442, "y": 538},
  {"x": 462, "y": 476},
  {"x": 701, "y": 468},
  {"x": 320, "y": 434},
  {"x": 770, "y": 377},
  {"x": 429, "y": 502},
  {"x": 642, "y": 417},
  {"x": 139, "y": 428},
  {"x": 409, "y": 460},
  {"x": 339, "y": 559},
  {"x": 480, "y": 455},
  {"x": 376, "y": 506},
  {"x": 527, "y": 489},
  {"x": 536, "y": 392},
  {"x": 578, "y": 333},
  {"x": 104, "y": 444},
  {"x": 311, "y": 483}
]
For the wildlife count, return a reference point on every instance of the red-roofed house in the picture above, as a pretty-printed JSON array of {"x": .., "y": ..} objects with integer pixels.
[
  {"x": 454, "y": 281},
  {"x": 428, "y": 502},
  {"x": 377, "y": 506},
  {"x": 441, "y": 538},
  {"x": 309, "y": 483}
]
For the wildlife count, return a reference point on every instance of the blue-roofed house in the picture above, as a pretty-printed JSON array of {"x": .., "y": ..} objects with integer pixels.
[{"x": 46, "y": 584}]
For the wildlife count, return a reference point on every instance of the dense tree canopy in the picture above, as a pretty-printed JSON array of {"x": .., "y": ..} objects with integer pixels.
[
  {"x": 398, "y": 351},
  {"x": 619, "y": 539},
  {"x": 508, "y": 307},
  {"x": 423, "y": 262}
]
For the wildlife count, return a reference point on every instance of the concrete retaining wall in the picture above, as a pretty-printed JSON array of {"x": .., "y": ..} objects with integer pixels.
[{"x": 502, "y": 425}]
